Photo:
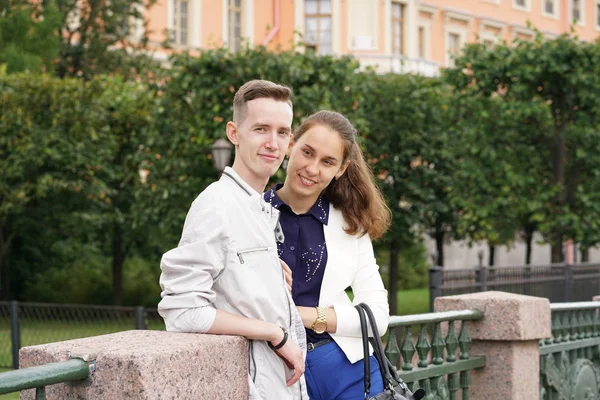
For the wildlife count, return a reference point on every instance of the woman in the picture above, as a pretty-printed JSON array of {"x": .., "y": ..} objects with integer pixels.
[{"x": 330, "y": 208}]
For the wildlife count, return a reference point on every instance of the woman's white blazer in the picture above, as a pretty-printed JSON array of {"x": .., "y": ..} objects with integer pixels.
[{"x": 351, "y": 262}]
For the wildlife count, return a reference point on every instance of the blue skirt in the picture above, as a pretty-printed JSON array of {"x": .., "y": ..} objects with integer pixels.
[{"x": 330, "y": 376}]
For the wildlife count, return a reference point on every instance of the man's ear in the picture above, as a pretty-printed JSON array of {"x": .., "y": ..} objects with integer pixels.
[
  {"x": 289, "y": 150},
  {"x": 232, "y": 133},
  {"x": 342, "y": 170}
]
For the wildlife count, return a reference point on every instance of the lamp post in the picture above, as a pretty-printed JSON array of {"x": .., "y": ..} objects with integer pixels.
[{"x": 221, "y": 153}]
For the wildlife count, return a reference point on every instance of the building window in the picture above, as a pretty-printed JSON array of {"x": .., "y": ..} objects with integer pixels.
[
  {"x": 454, "y": 44},
  {"x": 179, "y": 34},
  {"x": 521, "y": 4},
  {"x": 422, "y": 42},
  {"x": 550, "y": 8},
  {"x": 398, "y": 28},
  {"x": 317, "y": 20},
  {"x": 598, "y": 14},
  {"x": 235, "y": 24},
  {"x": 576, "y": 11}
]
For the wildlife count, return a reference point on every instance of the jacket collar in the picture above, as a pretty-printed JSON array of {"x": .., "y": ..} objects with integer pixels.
[
  {"x": 254, "y": 197},
  {"x": 228, "y": 172}
]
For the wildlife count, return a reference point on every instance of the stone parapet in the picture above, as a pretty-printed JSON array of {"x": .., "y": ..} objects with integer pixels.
[
  {"x": 507, "y": 316},
  {"x": 149, "y": 365},
  {"x": 508, "y": 335}
]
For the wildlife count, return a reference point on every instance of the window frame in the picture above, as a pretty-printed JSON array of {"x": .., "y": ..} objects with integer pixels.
[
  {"x": 526, "y": 7},
  {"x": 318, "y": 16}
]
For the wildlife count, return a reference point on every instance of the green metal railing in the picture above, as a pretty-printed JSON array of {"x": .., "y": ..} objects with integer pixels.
[
  {"x": 41, "y": 376},
  {"x": 569, "y": 359},
  {"x": 443, "y": 363}
]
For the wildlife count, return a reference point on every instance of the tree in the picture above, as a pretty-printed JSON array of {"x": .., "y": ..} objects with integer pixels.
[
  {"x": 410, "y": 151},
  {"x": 563, "y": 74},
  {"x": 100, "y": 36},
  {"x": 51, "y": 133},
  {"x": 28, "y": 35}
]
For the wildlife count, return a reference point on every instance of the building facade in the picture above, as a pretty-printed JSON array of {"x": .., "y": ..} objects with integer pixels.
[{"x": 395, "y": 35}]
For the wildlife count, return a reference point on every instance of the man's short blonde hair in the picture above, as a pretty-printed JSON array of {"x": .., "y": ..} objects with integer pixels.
[{"x": 258, "y": 89}]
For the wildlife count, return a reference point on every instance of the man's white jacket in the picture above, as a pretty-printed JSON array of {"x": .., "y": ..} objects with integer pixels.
[{"x": 227, "y": 258}]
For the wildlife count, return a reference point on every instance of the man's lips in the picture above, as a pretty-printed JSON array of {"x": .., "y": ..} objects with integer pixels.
[{"x": 270, "y": 157}]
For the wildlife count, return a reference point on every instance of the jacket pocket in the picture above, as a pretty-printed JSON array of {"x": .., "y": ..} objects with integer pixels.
[{"x": 251, "y": 252}]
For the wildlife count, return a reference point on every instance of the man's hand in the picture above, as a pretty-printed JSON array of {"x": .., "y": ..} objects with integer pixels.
[
  {"x": 292, "y": 355},
  {"x": 288, "y": 274}
]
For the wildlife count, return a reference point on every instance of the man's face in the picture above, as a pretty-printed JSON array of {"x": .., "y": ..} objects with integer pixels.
[{"x": 261, "y": 139}]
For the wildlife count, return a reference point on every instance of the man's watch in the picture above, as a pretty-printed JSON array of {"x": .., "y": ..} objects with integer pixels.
[{"x": 320, "y": 324}]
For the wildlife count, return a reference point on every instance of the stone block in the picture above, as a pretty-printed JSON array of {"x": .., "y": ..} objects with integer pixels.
[
  {"x": 511, "y": 371},
  {"x": 507, "y": 316},
  {"x": 149, "y": 365}
]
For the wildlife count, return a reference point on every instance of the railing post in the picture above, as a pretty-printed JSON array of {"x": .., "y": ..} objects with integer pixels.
[
  {"x": 436, "y": 281},
  {"x": 482, "y": 278},
  {"x": 568, "y": 288},
  {"x": 15, "y": 333},
  {"x": 140, "y": 320}
]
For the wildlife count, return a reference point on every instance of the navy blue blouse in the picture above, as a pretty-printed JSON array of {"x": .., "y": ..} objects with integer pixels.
[{"x": 304, "y": 250}]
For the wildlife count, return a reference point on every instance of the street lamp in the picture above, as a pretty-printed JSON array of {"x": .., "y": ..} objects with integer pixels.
[{"x": 221, "y": 153}]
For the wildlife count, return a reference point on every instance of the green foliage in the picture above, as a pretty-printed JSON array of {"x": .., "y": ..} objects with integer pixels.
[
  {"x": 103, "y": 37},
  {"x": 87, "y": 280},
  {"x": 551, "y": 88},
  {"x": 29, "y": 35},
  {"x": 70, "y": 147},
  {"x": 413, "y": 262}
]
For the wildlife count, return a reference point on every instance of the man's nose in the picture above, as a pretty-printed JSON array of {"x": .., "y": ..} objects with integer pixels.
[{"x": 272, "y": 141}]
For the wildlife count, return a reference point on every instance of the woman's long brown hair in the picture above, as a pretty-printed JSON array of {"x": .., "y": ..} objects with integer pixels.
[{"x": 355, "y": 192}]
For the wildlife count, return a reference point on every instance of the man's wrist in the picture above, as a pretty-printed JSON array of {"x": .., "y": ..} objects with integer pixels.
[{"x": 282, "y": 339}]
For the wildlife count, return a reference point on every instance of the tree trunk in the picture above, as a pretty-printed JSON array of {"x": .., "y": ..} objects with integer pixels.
[
  {"x": 585, "y": 254},
  {"x": 6, "y": 238},
  {"x": 118, "y": 258},
  {"x": 557, "y": 250},
  {"x": 492, "y": 255},
  {"x": 439, "y": 245},
  {"x": 559, "y": 163},
  {"x": 393, "y": 285},
  {"x": 528, "y": 246}
]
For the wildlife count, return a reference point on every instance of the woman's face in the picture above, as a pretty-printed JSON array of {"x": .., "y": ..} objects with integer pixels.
[{"x": 315, "y": 160}]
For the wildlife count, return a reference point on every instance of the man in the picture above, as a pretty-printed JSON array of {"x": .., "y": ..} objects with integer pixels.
[{"x": 225, "y": 276}]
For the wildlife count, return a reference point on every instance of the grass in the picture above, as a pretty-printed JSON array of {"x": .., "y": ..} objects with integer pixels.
[{"x": 413, "y": 301}]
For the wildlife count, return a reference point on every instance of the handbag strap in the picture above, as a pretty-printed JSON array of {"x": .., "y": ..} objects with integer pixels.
[
  {"x": 365, "y": 341},
  {"x": 384, "y": 365}
]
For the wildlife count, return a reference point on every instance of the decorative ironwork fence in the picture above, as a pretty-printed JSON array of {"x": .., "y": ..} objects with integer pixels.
[
  {"x": 443, "y": 363},
  {"x": 557, "y": 282},
  {"x": 27, "y": 324},
  {"x": 570, "y": 359}
]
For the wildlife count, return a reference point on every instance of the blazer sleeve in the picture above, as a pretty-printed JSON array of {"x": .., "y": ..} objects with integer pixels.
[
  {"x": 189, "y": 270},
  {"x": 368, "y": 288}
]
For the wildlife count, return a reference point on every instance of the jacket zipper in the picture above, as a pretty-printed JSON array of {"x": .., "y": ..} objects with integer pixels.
[{"x": 241, "y": 253}]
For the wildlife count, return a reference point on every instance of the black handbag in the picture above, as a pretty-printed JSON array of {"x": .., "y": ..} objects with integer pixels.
[{"x": 394, "y": 387}]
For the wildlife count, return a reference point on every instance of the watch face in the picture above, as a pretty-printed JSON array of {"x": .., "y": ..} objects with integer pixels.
[{"x": 320, "y": 327}]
